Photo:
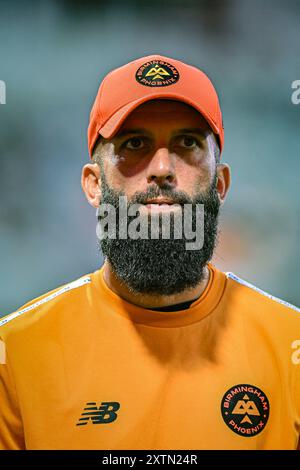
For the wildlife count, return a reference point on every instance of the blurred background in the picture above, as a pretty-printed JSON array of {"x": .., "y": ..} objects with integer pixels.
[{"x": 53, "y": 55}]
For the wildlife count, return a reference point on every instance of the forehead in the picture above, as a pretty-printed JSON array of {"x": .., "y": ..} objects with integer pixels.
[{"x": 160, "y": 110}]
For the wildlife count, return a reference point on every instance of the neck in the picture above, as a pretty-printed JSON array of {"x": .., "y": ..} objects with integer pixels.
[{"x": 152, "y": 300}]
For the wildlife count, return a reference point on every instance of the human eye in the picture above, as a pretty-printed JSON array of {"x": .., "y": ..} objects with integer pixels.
[
  {"x": 134, "y": 143},
  {"x": 188, "y": 142}
]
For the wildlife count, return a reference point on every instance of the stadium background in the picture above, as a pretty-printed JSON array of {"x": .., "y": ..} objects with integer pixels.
[{"x": 53, "y": 55}]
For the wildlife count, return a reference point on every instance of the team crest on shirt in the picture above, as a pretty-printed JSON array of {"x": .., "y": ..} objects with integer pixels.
[
  {"x": 245, "y": 409},
  {"x": 157, "y": 73}
]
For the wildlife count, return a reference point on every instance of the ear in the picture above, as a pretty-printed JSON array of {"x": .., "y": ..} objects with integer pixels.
[
  {"x": 224, "y": 181},
  {"x": 90, "y": 183}
]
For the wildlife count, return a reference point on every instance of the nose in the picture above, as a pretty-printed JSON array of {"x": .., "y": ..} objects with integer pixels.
[{"x": 161, "y": 168}]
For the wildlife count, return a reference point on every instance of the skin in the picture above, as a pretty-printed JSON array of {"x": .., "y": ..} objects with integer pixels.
[{"x": 161, "y": 152}]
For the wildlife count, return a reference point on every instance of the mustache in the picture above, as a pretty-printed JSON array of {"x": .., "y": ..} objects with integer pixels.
[{"x": 177, "y": 197}]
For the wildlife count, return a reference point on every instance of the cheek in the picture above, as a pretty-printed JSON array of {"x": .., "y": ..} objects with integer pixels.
[
  {"x": 128, "y": 165},
  {"x": 190, "y": 172},
  {"x": 114, "y": 160},
  {"x": 124, "y": 180}
]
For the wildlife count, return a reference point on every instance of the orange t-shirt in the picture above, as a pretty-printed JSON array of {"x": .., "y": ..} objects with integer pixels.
[{"x": 81, "y": 368}]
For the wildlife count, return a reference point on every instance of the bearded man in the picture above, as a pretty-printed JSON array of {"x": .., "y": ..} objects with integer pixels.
[{"x": 158, "y": 348}]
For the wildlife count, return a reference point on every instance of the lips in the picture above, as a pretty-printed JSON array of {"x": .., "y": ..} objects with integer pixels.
[
  {"x": 160, "y": 201},
  {"x": 157, "y": 205}
]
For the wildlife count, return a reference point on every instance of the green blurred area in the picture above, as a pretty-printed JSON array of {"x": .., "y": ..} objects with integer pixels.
[{"x": 53, "y": 55}]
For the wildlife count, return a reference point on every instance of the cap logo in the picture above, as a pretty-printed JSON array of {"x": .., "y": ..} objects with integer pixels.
[{"x": 156, "y": 73}]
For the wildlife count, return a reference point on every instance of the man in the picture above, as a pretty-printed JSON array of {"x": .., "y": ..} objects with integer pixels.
[{"x": 158, "y": 349}]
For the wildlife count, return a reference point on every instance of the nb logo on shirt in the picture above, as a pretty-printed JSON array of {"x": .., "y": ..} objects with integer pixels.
[{"x": 103, "y": 414}]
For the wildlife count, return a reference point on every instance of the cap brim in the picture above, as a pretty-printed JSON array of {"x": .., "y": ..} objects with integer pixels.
[{"x": 113, "y": 124}]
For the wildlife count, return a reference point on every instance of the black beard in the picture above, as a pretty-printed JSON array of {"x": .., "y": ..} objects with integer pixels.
[{"x": 161, "y": 266}]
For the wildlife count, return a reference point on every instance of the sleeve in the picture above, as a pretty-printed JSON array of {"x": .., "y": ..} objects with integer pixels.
[{"x": 11, "y": 428}]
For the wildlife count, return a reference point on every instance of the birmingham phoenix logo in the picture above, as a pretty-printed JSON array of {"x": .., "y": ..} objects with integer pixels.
[
  {"x": 245, "y": 409},
  {"x": 157, "y": 73},
  {"x": 103, "y": 414}
]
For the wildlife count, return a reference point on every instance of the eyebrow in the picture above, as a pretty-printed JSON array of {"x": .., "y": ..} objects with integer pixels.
[
  {"x": 193, "y": 130},
  {"x": 143, "y": 131},
  {"x": 126, "y": 132}
]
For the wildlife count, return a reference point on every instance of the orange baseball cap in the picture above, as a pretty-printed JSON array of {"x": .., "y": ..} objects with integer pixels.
[{"x": 148, "y": 78}]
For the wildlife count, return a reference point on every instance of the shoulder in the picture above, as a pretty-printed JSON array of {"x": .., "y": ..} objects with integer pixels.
[
  {"x": 265, "y": 301},
  {"x": 270, "y": 323},
  {"x": 36, "y": 309}
]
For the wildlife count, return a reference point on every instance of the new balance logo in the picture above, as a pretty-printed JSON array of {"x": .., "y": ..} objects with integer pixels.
[{"x": 105, "y": 413}]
